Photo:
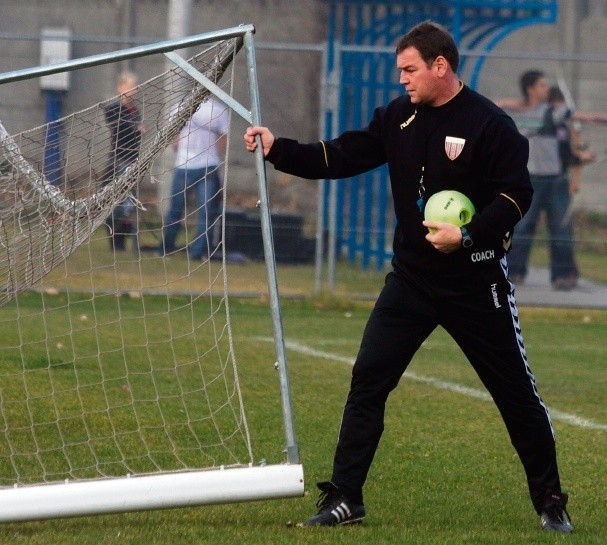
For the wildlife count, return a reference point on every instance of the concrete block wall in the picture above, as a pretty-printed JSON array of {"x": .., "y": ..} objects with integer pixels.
[{"x": 289, "y": 80}]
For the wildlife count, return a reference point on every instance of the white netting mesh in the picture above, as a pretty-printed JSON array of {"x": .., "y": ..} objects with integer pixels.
[
  {"x": 40, "y": 225},
  {"x": 115, "y": 362}
]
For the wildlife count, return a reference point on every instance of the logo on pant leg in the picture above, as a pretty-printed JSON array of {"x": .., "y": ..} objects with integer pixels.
[{"x": 496, "y": 301}]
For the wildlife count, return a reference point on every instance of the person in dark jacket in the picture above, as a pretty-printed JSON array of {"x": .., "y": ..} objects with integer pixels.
[
  {"x": 440, "y": 136},
  {"x": 123, "y": 118},
  {"x": 539, "y": 120}
]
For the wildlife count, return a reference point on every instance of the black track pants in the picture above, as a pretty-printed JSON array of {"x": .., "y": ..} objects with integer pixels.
[{"x": 484, "y": 323}]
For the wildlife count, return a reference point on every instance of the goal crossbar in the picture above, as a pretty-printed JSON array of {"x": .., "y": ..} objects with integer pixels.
[{"x": 126, "y": 54}]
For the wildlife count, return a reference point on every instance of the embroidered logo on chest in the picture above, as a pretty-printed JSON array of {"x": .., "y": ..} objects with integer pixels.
[
  {"x": 453, "y": 146},
  {"x": 406, "y": 123}
]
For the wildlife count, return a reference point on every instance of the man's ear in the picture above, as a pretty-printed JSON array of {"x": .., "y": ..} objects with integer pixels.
[{"x": 441, "y": 65}]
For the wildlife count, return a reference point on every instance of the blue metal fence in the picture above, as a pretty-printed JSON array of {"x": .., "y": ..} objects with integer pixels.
[{"x": 361, "y": 64}]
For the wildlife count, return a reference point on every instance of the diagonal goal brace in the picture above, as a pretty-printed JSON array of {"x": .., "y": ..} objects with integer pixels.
[{"x": 212, "y": 87}]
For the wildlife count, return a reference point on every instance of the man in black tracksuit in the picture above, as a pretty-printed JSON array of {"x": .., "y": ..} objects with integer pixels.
[{"x": 441, "y": 136}]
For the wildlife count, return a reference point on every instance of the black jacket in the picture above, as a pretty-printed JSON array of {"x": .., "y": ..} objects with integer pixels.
[
  {"x": 491, "y": 170},
  {"x": 124, "y": 123}
]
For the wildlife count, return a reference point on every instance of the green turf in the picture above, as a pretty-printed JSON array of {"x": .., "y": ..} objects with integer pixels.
[{"x": 445, "y": 472}]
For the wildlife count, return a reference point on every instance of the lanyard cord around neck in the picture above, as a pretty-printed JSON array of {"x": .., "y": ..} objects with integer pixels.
[{"x": 422, "y": 188}]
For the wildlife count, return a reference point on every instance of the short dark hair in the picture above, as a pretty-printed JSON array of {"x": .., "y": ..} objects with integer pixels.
[
  {"x": 431, "y": 40},
  {"x": 529, "y": 79},
  {"x": 555, "y": 94}
]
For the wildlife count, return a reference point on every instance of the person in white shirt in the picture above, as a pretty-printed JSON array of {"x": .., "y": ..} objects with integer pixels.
[{"x": 199, "y": 150}]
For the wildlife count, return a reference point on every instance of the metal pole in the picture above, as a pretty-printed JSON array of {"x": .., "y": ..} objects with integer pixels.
[
  {"x": 178, "y": 19},
  {"x": 332, "y": 209},
  {"x": 52, "y": 166},
  {"x": 320, "y": 213},
  {"x": 569, "y": 37},
  {"x": 179, "y": 15},
  {"x": 268, "y": 245},
  {"x": 133, "y": 52}
]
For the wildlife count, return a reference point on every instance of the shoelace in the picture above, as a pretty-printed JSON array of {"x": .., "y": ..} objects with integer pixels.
[
  {"x": 555, "y": 508},
  {"x": 558, "y": 512},
  {"x": 324, "y": 499}
]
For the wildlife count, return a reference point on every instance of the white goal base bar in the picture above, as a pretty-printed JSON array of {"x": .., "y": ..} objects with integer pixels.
[{"x": 189, "y": 489}]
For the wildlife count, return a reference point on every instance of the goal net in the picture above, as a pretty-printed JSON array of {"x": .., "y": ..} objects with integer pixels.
[{"x": 119, "y": 388}]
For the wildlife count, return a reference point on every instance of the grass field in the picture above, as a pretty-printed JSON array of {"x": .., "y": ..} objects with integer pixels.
[{"x": 445, "y": 471}]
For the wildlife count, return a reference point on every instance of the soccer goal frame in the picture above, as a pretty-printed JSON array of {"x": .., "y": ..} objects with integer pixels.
[{"x": 191, "y": 487}]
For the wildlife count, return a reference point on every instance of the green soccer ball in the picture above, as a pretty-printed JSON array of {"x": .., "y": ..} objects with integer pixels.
[{"x": 449, "y": 207}]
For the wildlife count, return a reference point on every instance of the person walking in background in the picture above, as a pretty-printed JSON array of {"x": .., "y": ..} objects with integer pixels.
[
  {"x": 538, "y": 120},
  {"x": 124, "y": 121},
  {"x": 573, "y": 157},
  {"x": 440, "y": 136},
  {"x": 199, "y": 150},
  {"x": 573, "y": 154}
]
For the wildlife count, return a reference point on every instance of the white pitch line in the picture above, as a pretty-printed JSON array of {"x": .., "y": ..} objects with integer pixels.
[{"x": 568, "y": 418}]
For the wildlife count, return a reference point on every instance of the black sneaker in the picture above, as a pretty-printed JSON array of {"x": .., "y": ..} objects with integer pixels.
[
  {"x": 335, "y": 509},
  {"x": 554, "y": 516}
]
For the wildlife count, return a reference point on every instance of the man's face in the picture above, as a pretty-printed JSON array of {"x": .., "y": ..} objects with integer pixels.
[
  {"x": 127, "y": 89},
  {"x": 417, "y": 77}
]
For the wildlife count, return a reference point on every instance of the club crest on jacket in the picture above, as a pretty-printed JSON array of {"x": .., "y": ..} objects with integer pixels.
[{"x": 453, "y": 146}]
